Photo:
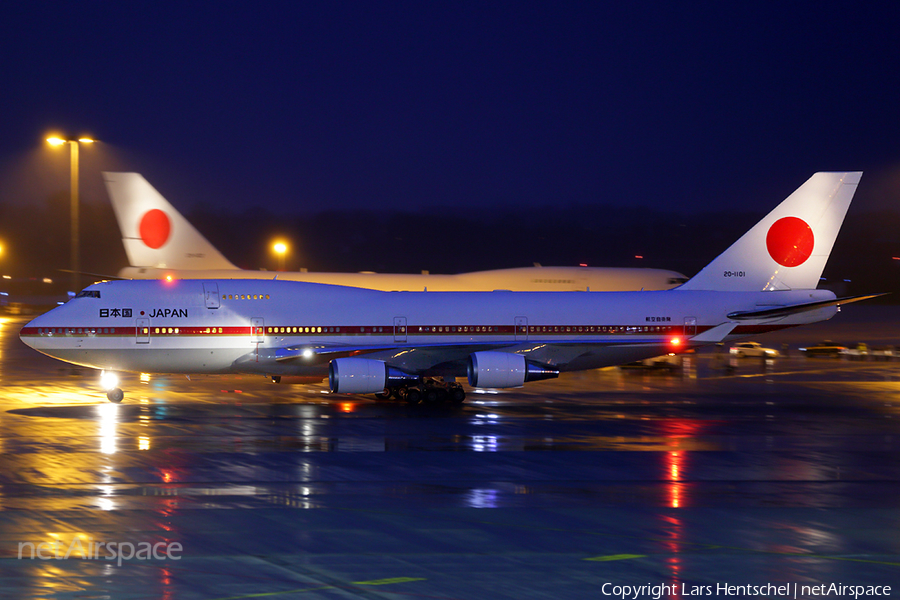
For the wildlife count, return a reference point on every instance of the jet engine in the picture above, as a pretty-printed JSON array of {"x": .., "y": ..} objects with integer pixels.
[
  {"x": 352, "y": 375},
  {"x": 504, "y": 369}
]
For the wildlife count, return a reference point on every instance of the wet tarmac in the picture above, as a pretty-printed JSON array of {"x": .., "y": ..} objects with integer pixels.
[{"x": 720, "y": 471}]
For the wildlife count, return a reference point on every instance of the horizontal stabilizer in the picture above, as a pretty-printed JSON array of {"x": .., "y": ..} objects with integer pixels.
[
  {"x": 783, "y": 311},
  {"x": 95, "y": 275}
]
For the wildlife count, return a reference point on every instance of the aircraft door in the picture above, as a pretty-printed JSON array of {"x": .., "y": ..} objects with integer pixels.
[
  {"x": 399, "y": 329},
  {"x": 142, "y": 331},
  {"x": 211, "y": 294},
  {"x": 521, "y": 329},
  {"x": 257, "y": 330},
  {"x": 690, "y": 326}
]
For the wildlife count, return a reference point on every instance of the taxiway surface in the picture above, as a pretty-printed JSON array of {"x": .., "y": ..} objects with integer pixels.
[{"x": 719, "y": 472}]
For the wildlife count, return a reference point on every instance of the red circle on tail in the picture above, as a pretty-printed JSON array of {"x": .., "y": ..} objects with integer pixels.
[
  {"x": 155, "y": 228},
  {"x": 790, "y": 241}
]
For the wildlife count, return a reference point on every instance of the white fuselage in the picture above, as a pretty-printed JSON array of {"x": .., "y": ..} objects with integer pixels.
[{"x": 292, "y": 328}]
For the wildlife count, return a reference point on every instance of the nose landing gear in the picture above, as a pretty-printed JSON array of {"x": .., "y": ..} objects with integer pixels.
[{"x": 110, "y": 382}]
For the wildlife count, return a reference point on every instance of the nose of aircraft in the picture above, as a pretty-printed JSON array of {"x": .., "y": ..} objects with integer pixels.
[
  {"x": 30, "y": 332},
  {"x": 26, "y": 334}
]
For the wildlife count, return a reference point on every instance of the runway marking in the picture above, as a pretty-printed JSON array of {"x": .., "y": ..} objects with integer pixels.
[
  {"x": 389, "y": 581},
  {"x": 267, "y": 594},
  {"x": 696, "y": 545}
]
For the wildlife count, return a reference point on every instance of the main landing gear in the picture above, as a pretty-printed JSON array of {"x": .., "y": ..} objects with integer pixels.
[{"x": 430, "y": 391}]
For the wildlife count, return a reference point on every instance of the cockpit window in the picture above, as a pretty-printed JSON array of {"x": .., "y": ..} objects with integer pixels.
[{"x": 88, "y": 294}]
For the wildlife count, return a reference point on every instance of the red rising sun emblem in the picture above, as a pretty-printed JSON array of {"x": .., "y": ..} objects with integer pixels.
[
  {"x": 155, "y": 228},
  {"x": 790, "y": 241}
]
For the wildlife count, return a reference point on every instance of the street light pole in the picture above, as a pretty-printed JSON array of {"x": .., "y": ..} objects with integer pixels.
[
  {"x": 73, "y": 187},
  {"x": 280, "y": 249},
  {"x": 74, "y": 250}
]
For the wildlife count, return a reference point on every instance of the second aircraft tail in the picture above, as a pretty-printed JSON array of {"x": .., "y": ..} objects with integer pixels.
[{"x": 153, "y": 232}]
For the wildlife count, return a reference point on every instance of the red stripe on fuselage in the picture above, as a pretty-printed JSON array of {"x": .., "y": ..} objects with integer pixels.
[{"x": 381, "y": 330}]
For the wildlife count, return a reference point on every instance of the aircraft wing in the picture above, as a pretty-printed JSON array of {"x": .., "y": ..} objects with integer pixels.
[
  {"x": 413, "y": 359},
  {"x": 450, "y": 359}
]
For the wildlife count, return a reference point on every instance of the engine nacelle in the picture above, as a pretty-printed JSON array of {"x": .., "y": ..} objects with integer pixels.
[
  {"x": 504, "y": 370},
  {"x": 353, "y": 375}
]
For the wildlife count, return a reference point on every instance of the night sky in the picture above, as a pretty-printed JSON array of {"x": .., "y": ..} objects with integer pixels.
[{"x": 300, "y": 107}]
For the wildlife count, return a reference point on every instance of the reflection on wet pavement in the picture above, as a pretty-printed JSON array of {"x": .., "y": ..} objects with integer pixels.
[{"x": 717, "y": 471}]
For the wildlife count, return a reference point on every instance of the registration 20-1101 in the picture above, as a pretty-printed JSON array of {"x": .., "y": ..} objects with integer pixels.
[{"x": 734, "y": 273}]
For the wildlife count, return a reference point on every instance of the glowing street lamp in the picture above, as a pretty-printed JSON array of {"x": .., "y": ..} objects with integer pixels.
[
  {"x": 280, "y": 249},
  {"x": 73, "y": 190}
]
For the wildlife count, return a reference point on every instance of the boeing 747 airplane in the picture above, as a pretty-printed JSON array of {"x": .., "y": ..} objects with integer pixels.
[
  {"x": 161, "y": 243},
  {"x": 414, "y": 344}
]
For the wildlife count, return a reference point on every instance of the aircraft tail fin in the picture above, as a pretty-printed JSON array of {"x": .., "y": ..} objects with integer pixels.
[
  {"x": 788, "y": 249},
  {"x": 153, "y": 232}
]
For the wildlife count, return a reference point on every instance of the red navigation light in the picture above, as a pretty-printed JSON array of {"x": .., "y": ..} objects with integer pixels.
[{"x": 675, "y": 341}]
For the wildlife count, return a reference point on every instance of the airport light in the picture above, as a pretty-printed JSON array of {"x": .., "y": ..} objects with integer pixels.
[
  {"x": 108, "y": 380},
  {"x": 280, "y": 249},
  {"x": 73, "y": 192}
]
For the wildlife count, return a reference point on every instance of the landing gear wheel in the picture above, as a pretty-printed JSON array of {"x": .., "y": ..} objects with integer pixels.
[
  {"x": 413, "y": 396},
  {"x": 115, "y": 395},
  {"x": 457, "y": 395},
  {"x": 383, "y": 395}
]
